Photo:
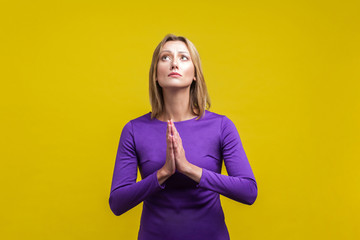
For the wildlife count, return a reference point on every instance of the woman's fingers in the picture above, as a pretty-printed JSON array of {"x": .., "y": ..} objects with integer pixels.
[
  {"x": 174, "y": 138},
  {"x": 171, "y": 127},
  {"x": 168, "y": 134},
  {"x": 169, "y": 130},
  {"x": 173, "y": 132},
  {"x": 176, "y": 135},
  {"x": 172, "y": 147},
  {"x": 175, "y": 145},
  {"x": 169, "y": 142},
  {"x": 170, "y": 165}
]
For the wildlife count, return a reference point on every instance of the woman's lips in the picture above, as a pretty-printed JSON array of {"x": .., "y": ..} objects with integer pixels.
[{"x": 174, "y": 74}]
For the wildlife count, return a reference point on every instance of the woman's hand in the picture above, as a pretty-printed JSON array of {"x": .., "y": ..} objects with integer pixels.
[
  {"x": 182, "y": 164},
  {"x": 169, "y": 167},
  {"x": 179, "y": 153}
]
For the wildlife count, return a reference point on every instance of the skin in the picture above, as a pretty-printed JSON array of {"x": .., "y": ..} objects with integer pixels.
[{"x": 175, "y": 57}]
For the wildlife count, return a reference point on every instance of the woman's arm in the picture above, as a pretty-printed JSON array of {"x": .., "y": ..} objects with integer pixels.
[
  {"x": 240, "y": 185},
  {"x": 126, "y": 193},
  {"x": 241, "y": 189}
]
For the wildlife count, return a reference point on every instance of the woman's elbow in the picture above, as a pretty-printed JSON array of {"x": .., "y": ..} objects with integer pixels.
[
  {"x": 252, "y": 194},
  {"x": 116, "y": 213},
  {"x": 251, "y": 199},
  {"x": 114, "y": 207}
]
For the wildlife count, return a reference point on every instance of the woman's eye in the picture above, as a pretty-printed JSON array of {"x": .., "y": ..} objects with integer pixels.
[
  {"x": 165, "y": 57},
  {"x": 184, "y": 58}
]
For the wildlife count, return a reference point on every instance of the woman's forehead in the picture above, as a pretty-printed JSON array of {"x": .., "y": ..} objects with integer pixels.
[{"x": 175, "y": 46}]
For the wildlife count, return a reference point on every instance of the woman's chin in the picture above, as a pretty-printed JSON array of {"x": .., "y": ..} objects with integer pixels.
[
  {"x": 175, "y": 87},
  {"x": 175, "y": 84}
]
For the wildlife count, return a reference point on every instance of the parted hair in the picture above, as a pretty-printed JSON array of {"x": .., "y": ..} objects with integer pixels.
[{"x": 199, "y": 97}]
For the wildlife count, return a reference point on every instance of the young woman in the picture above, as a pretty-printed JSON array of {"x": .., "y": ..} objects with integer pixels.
[{"x": 179, "y": 148}]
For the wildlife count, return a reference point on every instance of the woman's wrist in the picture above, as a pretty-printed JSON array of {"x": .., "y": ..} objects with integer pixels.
[
  {"x": 162, "y": 175},
  {"x": 192, "y": 171}
]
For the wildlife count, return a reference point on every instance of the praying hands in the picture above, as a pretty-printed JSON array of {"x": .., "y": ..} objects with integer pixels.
[{"x": 175, "y": 157}]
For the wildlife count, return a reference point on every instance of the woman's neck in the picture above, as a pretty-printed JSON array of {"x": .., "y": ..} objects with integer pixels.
[{"x": 177, "y": 105}]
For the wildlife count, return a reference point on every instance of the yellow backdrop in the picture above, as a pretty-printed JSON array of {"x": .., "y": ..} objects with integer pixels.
[{"x": 74, "y": 72}]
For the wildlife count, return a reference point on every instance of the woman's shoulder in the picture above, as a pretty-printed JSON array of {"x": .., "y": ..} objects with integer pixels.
[
  {"x": 214, "y": 116},
  {"x": 137, "y": 122},
  {"x": 211, "y": 114},
  {"x": 145, "y": 118},
  {"x": 222, "y": 119}
]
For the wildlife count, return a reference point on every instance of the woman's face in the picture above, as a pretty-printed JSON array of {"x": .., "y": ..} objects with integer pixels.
[{"x": 175, "y": 68}]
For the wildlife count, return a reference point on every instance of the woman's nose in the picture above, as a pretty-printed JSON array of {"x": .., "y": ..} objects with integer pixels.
[{"x": 174, "y": 64}]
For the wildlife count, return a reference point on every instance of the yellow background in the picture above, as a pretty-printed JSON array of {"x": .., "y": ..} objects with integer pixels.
[{"x": 74, "y": 72}]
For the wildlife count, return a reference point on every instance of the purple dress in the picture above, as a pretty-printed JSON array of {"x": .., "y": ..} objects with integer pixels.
[{"x": 181, "y": 208}]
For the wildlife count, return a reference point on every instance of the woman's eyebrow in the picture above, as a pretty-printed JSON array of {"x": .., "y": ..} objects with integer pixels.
[{"x": 171, "y": 51}]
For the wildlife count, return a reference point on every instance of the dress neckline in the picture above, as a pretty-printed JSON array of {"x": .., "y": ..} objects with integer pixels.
[
  {"x": 179, "y": 122},
  {"x": 187, "y": 120}
]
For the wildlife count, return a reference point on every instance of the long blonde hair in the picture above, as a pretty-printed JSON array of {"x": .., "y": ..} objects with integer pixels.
[{"x": 199, "y": 97}]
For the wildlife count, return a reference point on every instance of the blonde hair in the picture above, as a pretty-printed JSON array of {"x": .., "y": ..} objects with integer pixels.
[{"x": 199, "y": 97}]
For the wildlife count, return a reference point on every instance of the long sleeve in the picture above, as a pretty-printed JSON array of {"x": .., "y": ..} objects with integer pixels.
[
  {"x": 240, "y": 185},
  {"x": 126, "y": 193}
]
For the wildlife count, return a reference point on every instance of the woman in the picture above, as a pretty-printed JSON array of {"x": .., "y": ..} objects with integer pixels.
[{"x": 179, "y": 148}]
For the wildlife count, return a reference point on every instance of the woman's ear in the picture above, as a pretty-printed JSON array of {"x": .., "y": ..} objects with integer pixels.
[{"x": 194, "y": 78}]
